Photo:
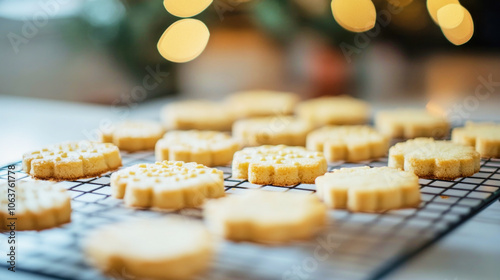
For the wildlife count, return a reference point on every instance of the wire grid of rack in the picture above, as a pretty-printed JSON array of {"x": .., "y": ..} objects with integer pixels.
[{"x": 354, "y": 246}]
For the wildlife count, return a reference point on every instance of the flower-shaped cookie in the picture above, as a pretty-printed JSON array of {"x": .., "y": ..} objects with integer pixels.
[
  {"x": 210, "y": 148},
  {"x": 72, "y": 160},
  {"x": 485, "y": 137},
  {"x": 432, "y": 159},
  {"x": 365, "y": 189},
  {"x": 266, "y": 217},
  {"x": 167, "y": 185},
  {"x": 34, "y": 205},
  {"x": 278, "y": 165}
]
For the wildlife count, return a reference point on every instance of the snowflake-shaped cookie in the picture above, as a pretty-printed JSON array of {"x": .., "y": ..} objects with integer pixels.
[
  {"x": 167, "y": 185},
  {"x": 72, "y": 160},
  {"x": 278, "y": 165}
]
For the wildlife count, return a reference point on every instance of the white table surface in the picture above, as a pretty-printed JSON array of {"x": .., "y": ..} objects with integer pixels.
[{"x": 470, "y": 252}]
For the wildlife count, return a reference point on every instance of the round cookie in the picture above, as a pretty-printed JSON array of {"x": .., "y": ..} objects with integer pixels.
[
  {"x": 411, "y": 123},
  {"x": 266, "y": 217},
  {"x": 485, "y": 137},
  {"x": 365, "y": 189},
  {"x": 432, "y": 159},
  {"x": 72, "y": 161},
  {"x": 197, "y": 114},
  {"x": 279, "y": 130},
  {"x": 262, "y": 103},
  {"x": 209, "y": 148},
  {"x": 337, "y": 110},
  {"x": 348, "y": 143},
  {"x": 278, "y": 165},
  {"x": 166, "y": 248},
  {"x": 132, "y": 136},
  {"x": 38, "y": 205},
  {"x": 167, "y": 185}
]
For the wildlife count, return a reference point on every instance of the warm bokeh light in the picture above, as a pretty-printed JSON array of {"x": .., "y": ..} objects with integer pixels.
[
  {"x": 451, "y": 16},
  {"x": 184, "y": 40},
  {"x": 354, "y": 15},
  {"x": 433, "y": 7},
  {"x": 436, "y": 108},
  {"x": 186, "y": 8},
  {"x": 463, "y": 32}
]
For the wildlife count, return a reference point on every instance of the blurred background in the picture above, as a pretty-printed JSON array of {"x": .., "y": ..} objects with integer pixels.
[{"x": 99, "y": 51}]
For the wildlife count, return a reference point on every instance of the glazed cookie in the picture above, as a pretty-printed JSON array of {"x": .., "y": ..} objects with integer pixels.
[
  {"x": 485, "y": 137},
  {"x": 262, "y": 103},
  {"x": 167, "y": 185},
  {"x": 348, "y": 143},
  {"x": 411, "y": 123},
  {"x": 278, "y": 165},
  {"x": 166, "y": 248},
  {"x": 432, "y": 159},
  {"x": 38, "y": 205},
  {"x": 209, "y": 148},
  {"x": 197, "y": 114},
  {"x": 334, "y": 110},
  {"x": 134, "y": 136},
  {"x": 365, "y": 189},
  {"x": 272, "y": 131},
  {"x": 72, "y": 161},
  {"x": 266, "y": 217}
]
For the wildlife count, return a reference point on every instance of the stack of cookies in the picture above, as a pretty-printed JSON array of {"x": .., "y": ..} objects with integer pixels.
[{"x": 276, "y": 140}]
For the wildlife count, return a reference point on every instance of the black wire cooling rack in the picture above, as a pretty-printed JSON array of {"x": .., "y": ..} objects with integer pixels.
[{"x": 355, "y": 245}]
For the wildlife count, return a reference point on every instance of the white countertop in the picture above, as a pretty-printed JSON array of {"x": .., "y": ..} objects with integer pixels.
[{"x": 470, "y": 252}]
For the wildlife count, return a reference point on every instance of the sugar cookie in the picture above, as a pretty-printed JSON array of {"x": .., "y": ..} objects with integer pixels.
[
  {"x": 209, "y": 148},
  {"x": 485, "y": 137},
  {"x": 167, "y": 185},
  {"x": 133, "y": 136},
  {"x": 365, "y": 189},
  {"x": 197, "y": 114},
  {"x": 266, "y": 217},
  {"x": 334, "y": 110},
  {"x": 278, "y": 165},
  {"x": 411, "y": 123},
  {"x": 348, "y": 143},
  {"x": 38, "y": 205},
  {"x": 166, "y": 248},
  {"x": 262, "y": 103},
  {"x": 72, "y": 160},
  {"x": 432, "y": 159},
  {"x": 272, "y": 131}
]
